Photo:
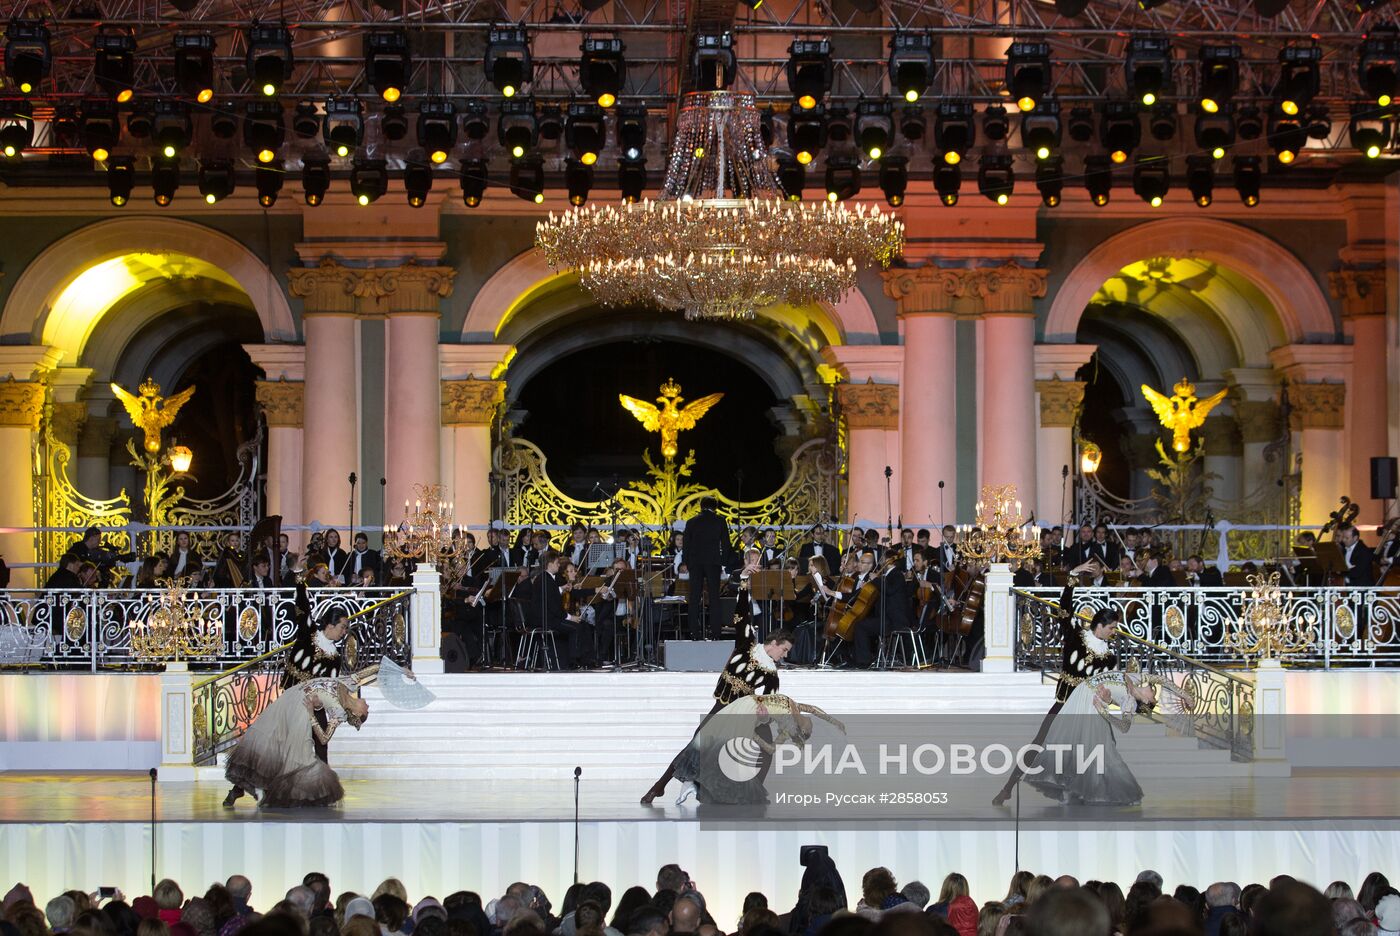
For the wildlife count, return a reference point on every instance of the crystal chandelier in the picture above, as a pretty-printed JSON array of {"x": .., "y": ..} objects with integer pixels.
[
  {"x": 174, "y": 629},
  {"x": 722, "y": 241},
  {"x": 1000, "y": 532},
  {"x": 428, "y": 533}
]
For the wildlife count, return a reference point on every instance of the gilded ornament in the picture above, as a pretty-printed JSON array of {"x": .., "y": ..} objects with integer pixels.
[
  {"x": 1175, "y": 623},
  {"x": 75, "y": 624},
  {"x": 248, "y": 622},
  {"x": 400, "y": 629},
  {"x": 149, "y": 411},
  {"x": 669, "y": 418},
  {"x": 1182, "y": 412},
  {"x": 1346, "y": 623},
  {"x": 869, "y": 405}
]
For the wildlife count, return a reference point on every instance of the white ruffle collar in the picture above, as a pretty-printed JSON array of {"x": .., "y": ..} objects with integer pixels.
[
  {"x": 323, "y": 643},
  {"x": 761, "y": 659},
  {"x": 1096, "y": 645}
]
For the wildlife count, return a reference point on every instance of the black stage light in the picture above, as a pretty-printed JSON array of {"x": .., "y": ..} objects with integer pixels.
[
  {"x": 170, "y": 126},
  {"x": 996, "y": 179},
  {"x": 1080, "y": 124},
  {"x": 437, "y": 129},
  {"x": 140, "y": 121},
  {"x": 343, "y": 127},
  {"x": 1247, "y": 180},
  {"x": 1287, "y": 136},
  {"x": 369, "y": 180},
  {"x": 269, "y": 57},
  {"x": 602, "y": 70},
  {"x": 1050, "y": 180},
  {"x": 838, "y": 124},
  {"x": 216, "y": 180},
  {"x": 387, "y": 62},
  {"x": 393, "y": 122},
  {"x": 712, "y": 64},
  {"x": 315, "y": 178},
  {"x": 518, "y": 129},
  {"x": 551, "y": 121},
  {"x": 947, "y": 180},
  {"x": 476, "y": 121},
  {"x": 1152, "y": 179},
  {"x": 527, "y": 180},
  {"x": 1161, "y": 123},
  {"x": 263, "y": 129},
  {"x": 473, "y": 179},
  {"x": 1249, "y": 122},
  {"x": 223, "y": 120},
  {"x": 809, "y": 71},
  {"x": 1120, "y": 131},
  {"x": 1270, "y": 8},
  {"x": 578, "y": 181},
  {"x": 165, "y": 179},
  {"x": 114, "y": 62},
  {"x": 1317, "y": 121},
  {"x": 65, "y": 128},
  {"x": 792, "y": 178},
  {"x": 417, "y": 182},
  {"x": 632, "y": 131},
  {"x": 1300, "y": 77},
  {"x": 1028, "y": 73},
  {"x": 28, "y": 58},
  {"x": 184, "y": 6},
  {"x": 268, "y": 180},
  {"x": 16, "y": 127},
  {"x": 1369, "y": 129},
  {"x": 806, "y": 133},
  {"x": 894, "y": 179},
  {"x": 1200, "y": 179},
  {"x": 954, "y": 130},
  {"x": 306, "y": 122},
  {"x": 874, "y": 127},
  {"x": 508, "y": 64},
  {"x": 1098, "y": 178},
  {"x": 913, "y": 126},
  {"x": 995, "y": 124},
  {"x": 842, "y": 178},
  {"x": 911, "y": 64},
  {"x": 1149, "y": 68},
  {"x": 632, "y": 179},
  {"x": 121, "y": 178},
  {"x": 1215, "y": 132},
  {"x": 1220, "y": 76},
  {"x": 1040, "y": 130},
  {"x": 585, "y": 133},
  {"x": 1377, "y": 65},
  {"x": 194, "y": 65}
]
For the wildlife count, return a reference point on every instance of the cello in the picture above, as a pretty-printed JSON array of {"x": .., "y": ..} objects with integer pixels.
[{"x": 841, "y": 620}]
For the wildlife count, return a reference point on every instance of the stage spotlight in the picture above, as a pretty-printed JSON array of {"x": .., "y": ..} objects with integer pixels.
[
  {"x": 1081, "y": 124},
  {"x": 417, "y": 182},
  {"x": 263, "y": 129},
  {"x": 1369, "y": 129},
  {"x": 315, "y": 178},
  {"x": 473, "y": 181},
  {"x": 1287, "y": 136},
  {"x": 1247, "y": 180},
  {"x": 838, "y": 124},
  {"x": 911, "y": 64},
  {"x": 809, "y": 71},
  {"x": 1028, "y": 73},
  {"x": 121, "y": 178},
  {"x": 269, "y": 183},
  {"x": 1146, "y": 5},
  {"x": 1098, "y": 178},
  {"x": 913, "y": 126},
  {"x": 632, "y": 179},
  {"x": 1249, "y": 122},
  {"x": 306, "y": 122},
  {"x": 140, "y": 121},
  {"x": 1220, "y": 76},
  {"x": 632, "y": 131},
  {"x": 585, "y": 133},
  {"x": 1152, "y": 179},
  {"x": 842, "y": 178},
  {"x": 602, "y": 71},
  {"x": 343, "y": 127},
  {"x": 1162, "y": 121},
  {"x": 508, "y": 64},
  {"x": 1377, "y": 64},
  {"x": 518, "y": 130},
  {"x": 1200, "y": 179},
  {"x": 806, "y": 133},
  {"x": 476, "y": 121},
  {"x": 393, "y": 122},
  {"x": 712, "y": 64},
  {"x": 874, "y": 127},
  {"x": 437, "y": 129},
  {"x": 194, "y": 65},
  {"x": 170, "y": 126},
  {"x": 995, "y": 124},
  {"x": 216, "y": 180},
  {"x": 551, "y": 121},
  {"x": 1050, "y": 180},
  {"x": 792, "y": 178},
  {"x": 1120, "y": 131},
  {"x": 1215, "y": 132},
  {"x": 369, "y": 180},
  {"x": 387, "y": 62},
  {"x": 527, "y": 180},
  {"x": 578, "y": 181},
  {"x": 996, "y": 179},
  {"x": 65, "y": 130},
  {"x": 27, "y": 54},
  {"x": 894, "y": 179},
  {"x": 765, "y": 127},
  {"x": 954, "y": 131},
  {"x": 1317, "y": 123},
  {"x": 269, "y": 57},
  {"x": 165, "y": 179},
  {"x": 1040, "y": 130},
  {"x": 947, "y": 180},
  {"x": 114, "y": 62},
  {"x": 1149, "y": 68},
  {"x": 223, "y": 120},
  {"x": 1299, "y": 77},
  {"x": 16, "y": 127}
]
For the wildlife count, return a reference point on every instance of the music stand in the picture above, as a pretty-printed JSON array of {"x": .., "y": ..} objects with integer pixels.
[
  {"x": 1330, "y": 559},
  {"x": 770, "y": 586},
  {"x": 603, "y": 555},
  {"x": 1309, "y": 563}
]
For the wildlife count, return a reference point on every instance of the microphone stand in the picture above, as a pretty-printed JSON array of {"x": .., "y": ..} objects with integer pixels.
[
  {"x": 578, "y": 773},
  {"x": 351, "y": 528},
  {"x": 1064, "y": 506},
  {"x": 889, "y": 511},
  {"x": 383, "y": 502},
  {"x": 889, "y": 536}
]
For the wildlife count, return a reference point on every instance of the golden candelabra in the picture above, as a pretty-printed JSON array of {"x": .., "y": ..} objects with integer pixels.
[
  {"x": 1263, "y": 629},
  {"x": 1000, "y": 533},
  {"x": 428, "y": 532},
  {"x": 172, "y": 631}
]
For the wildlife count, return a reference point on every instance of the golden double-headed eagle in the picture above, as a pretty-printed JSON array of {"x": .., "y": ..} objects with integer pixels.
[
  {"x": 669, "y": 419},
  {"x": 1181, "y": 412},
  {"x": 149, "y": 411}
]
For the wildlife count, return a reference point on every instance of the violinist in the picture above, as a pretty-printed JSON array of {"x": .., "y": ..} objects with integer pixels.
[
  {"x": 856, "y": 544},
  {"x": 579, "y": 602},
  {"x": 907, "y": 549},
  {"x": 822, "y": 583},
  {"x": 1200, "y": 575},
  {"x": 1103, "y": 549},
  {"x": 1129, "y": 575},
  {"x": 926, "y": 587},
  {"x": 922, "y": 538}
]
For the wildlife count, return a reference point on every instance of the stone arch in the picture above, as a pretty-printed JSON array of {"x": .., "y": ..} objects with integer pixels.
[
  {"x": 32, "y": 299},
  {"x": 1298, "y": 301}
]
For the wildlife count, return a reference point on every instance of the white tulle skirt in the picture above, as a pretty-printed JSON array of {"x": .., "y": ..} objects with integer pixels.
[
  {"x": 1079, "y": 726},
  {"x": 276, "y": 758}
]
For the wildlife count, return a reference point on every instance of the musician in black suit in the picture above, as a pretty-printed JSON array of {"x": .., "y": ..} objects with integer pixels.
[
  {"x": 66, "y": 575},
  {"x": 1200, "y": 575},
  {"x": 1155, "y": 573},
  {"x": 1081, "y": 550},
  {"x": 1357, "y": 558},
  {"x": 890, "y": 613},
  {"x": 818, "y": 547},
  {"x": 543, "y": 605},
  {"x": 335, "y": 557},
  {"x": 361, "y": 558},
  {"x": 1104, "y": 549},
  {"x": 945, "y": 554},
  {"x": 703, "y": 548}
]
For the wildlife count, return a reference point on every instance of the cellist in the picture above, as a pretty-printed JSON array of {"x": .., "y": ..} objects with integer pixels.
[{"x": 889, "y": 614}]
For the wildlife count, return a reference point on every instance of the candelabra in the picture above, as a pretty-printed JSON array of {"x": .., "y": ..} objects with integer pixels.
[
  {"x": 1264, "y": 630},
  {"x": 173, "y": 632},
  {"x": 1000, "y": 532},
  {"x": 428, "y": 533}
]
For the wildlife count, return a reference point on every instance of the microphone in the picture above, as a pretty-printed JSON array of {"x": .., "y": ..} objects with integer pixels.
[
  {"x": 888, "y": 471},
  {"x": 1064, "y": 471},
  {"x": 353, "y": 477},
  {"x": 940, "y": 485},
  {"x": 578, "y": 772}
]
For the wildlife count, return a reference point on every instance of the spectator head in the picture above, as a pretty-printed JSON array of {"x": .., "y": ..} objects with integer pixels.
[
  {"x": 391, "y": 886},
  {"x": 1234, "y": 924},
  {"x": 1193, "y": 900},
  {"x": 1293, "y": 909},
  {"x": 912, "y": 924},
  {"x": 61, "y": 911},
  {"x": 989, "y": 917},
  {"x": 1016, "y": 890},
  {"x": 1037, "y": 886},
  {"x": 1112, "y": 896},
  {"x": 954, "y": 886},
  {"x": 506, "y": 908},
  {"x": 1135, "y": 904},
  {"x": 1151, "y": 876},
  {"x": 1068, "y": 912},
  {"x": 81, "y": 900},
  {"x": 1223, "y": 894},
  {"x": 686, "y": 915},
  {"x": 1369, "y": 894},
  {"x": 427, "y": 908},
  {"x": 360, "y": 925},
  {"x": 168, "y": 895},
  {"x": 391, "y": 911},
  {"x": 755, "y": 918},
  {"x": 633, "y": 899},
  {"x": 599, "y": 893},
  {"x": 1066, "y": 880},
  {"x": 646, "y": 921},
  {"x": 1338, "y": 889},
  {"x": 220, "y": 903},
  {"x": 322, "y": 925},
  {"x": 358, "y": 907},
  {"x": 524, "y": 923},
  {"x": 153, "y": 926},
  {"x": 1357, "y": 927},
  {"x": 302, "y": 899},
  {"x": 199, "y": 915},
  {"x": 877, "y": 884},
  {"x": 916, "y": 892},
  {"x": 589, "y": 918},
  {"x": 1344, "y": 910},
  {"x": 283, "y": 915},
  {"x": 1250, "y": 895},
  {"x": 93, "y": 923},
  {"x": 321, "y": 884},
  {"x": 239, "y": 888},
  {"x": 850, "y": 924}
]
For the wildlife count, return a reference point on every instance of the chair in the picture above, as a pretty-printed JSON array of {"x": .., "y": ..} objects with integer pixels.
[
  {"x": 538, "y": 646},
  {"x": 892, "y": 649}
]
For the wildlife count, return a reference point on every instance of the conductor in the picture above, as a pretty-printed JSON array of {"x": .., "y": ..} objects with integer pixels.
[{"x": 706, "y": 538}]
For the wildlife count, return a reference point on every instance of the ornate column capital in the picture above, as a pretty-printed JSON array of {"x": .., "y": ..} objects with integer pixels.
[
  {"x": 1316, "y": 405},
  {"x": 283, "y": 401},
  {"x": 1009, "y": 288},
  {"x": 1059, "y": 402},
  {"x": 869, "y": 405},
  {"x": 1360, "y": 291},
  {"x": 1257, "y": 420},
  {"x": 927, "y": 288},
  {"x": 1222, "y": 435},
  {"x": 471, "y": 402},
  {"x": 21, "y": 403},
  {"x": 331, "y": 288},
  {"x": 68, "y": 419}
]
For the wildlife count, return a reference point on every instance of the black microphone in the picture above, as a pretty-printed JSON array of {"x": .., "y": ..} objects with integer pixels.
[
  {"x": 353, "y": 478},
  {"x": 940, "y": 483},
  {"x": 888, "y": 471},
  {"x": 578, "y": 772},
  {"x": 1064, "y": 471}
]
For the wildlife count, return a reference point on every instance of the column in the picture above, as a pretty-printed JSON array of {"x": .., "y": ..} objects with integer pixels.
[
  {"x": 1222, "y": 458},
  {"x": 94, "y": 456},
  {"x": 928, "y": 434},
  {"x": 1362, "y": 297},
  {"x": 468, "y": 410},
  {"x": 283, "y": 404},
  {"x": 411, "y": 420},
  {"x": 1059, "y": 410},
  {"x": 177, "y": 724},
  {"x": 872, "y": 417},
  {"x": 1254, "y": 397},
  {"x": 1316, "y": 417},
  {"x": 21, "y": 405}
]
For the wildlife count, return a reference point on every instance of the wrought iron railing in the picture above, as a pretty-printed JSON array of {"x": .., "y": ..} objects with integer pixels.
[
  {"x": 91, "y": 629},
  {"x": 226, "y": 704},
  {"x": 1223, "y": 708}
]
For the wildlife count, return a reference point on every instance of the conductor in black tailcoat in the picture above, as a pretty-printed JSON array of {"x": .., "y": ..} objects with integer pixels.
[{"x": 706, "y": 537}]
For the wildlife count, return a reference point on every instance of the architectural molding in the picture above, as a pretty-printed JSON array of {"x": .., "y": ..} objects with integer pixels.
[
  {"x": 1009, "y": 288},
  {"x": 21, "y": 404},
  {"x": 1059, "y": 402},
  {"x": 1222, "y": 435},
  {"x": 471, "y": 402},
  {"x": 67, "y": 421},
  {"x": 869, "y": 405},
  {"x": 283, "y": 401},
  {"x": 1258, "y": 420},
  {"x": 332, "y": 288},
  {"x": 1316, "y": 405},
  {"x": 1360, "y": 292},
  {"x": 925, "y": 289},
  {"x": 99, "y": 432}
]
